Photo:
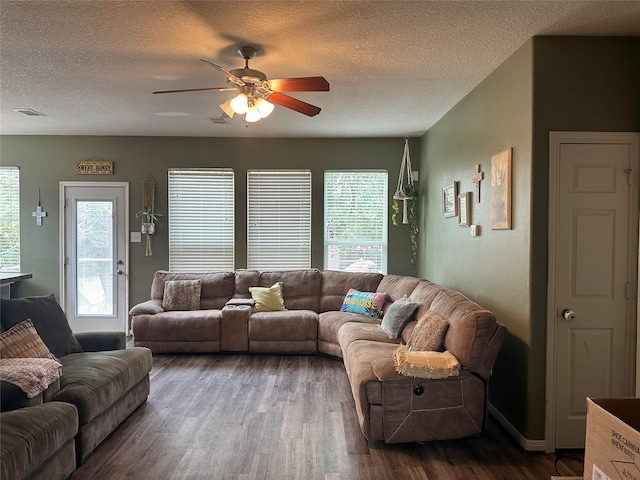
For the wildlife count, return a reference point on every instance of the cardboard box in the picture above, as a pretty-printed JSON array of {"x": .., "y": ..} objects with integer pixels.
[{"x": 612, "y": 447}]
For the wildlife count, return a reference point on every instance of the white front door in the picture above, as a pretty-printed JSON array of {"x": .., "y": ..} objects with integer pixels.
[
  {"x": 593, "y": 260},
  {"x": 94, "y": 251}
]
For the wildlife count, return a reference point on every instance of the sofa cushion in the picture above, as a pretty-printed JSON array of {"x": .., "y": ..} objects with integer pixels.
[
  {"x": 335, "y": 286},
  {"x": 330, "y": 323},
  {"x": 364, "y": 303},
  {"x": 216, "y": 287},
  {"x": 182, "y": 294},
  {"x": 267, "y": 299},
  {"x": 300, "y": 288},
  {"x": 397, "y": 316},
  {"x": 93, "y": 381},
  {"x": 428, "y": 333},
  {"x": 30, "y": 436},
  {"x": 286, "y": 325},
  {"x": 22, "y": 341},
  {"x": 354, "y": 331},
  {"x": 48, "y": 319},
  {"x": 397, "y": 286}
]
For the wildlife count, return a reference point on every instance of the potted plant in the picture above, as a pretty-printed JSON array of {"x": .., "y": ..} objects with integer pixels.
[{"x": 149, "y": 217}]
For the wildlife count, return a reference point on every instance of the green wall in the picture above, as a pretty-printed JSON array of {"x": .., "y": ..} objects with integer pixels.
[
  {"x": 549, "y": 84},
  {"x": 44, "y": 161}
]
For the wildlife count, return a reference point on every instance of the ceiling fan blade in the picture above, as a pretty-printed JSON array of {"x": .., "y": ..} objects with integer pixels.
[
  {"x": 229, "y": 75},
  {"x": 294, "y": 104},
  {"x": 217, "y": 89},
  {"x": 300, "y": 84}
]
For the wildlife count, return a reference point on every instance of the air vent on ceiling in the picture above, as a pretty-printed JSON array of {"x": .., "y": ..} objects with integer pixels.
[
  {"x": 219, "y": 120},
  {"x": 28, "y": 111}
]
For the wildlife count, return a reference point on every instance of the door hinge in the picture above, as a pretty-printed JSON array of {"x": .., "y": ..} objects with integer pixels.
[
  {"x": 627, "y": 291},
  {"x": 628, "y": 172}
]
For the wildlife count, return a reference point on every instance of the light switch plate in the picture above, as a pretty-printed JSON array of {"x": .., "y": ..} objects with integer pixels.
[
  {"x": 136, "y": 237},
  {"x": 474, "y": 230}
]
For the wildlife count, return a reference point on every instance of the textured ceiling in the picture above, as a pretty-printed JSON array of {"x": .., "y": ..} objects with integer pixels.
[{"x": 395, "y": 67}]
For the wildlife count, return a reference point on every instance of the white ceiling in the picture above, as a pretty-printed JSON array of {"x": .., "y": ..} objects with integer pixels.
[{"x": 395, "y": 67}]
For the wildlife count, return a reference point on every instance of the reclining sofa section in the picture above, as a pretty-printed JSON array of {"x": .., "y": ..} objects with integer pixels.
[{"x": 390, "y": 406}]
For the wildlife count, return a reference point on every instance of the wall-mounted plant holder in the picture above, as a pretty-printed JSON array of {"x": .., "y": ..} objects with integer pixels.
[{"x": 147, "y": 213}]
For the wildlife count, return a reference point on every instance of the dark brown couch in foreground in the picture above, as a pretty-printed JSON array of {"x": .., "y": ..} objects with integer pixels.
[
  {"x": 390, "y": 406},
  {"x": 102, "y": 383}
]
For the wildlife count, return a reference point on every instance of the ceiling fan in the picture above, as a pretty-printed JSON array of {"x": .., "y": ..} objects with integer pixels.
[{"x": 257, "y": 94}]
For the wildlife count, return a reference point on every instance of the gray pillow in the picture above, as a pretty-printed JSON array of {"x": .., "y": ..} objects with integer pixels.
[
  {"x": 48, "y": 319},
  {"x": 397, "y": 316}
]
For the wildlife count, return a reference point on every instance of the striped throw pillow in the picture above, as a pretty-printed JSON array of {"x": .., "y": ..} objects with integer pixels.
[{"x": 23, "y": 341}]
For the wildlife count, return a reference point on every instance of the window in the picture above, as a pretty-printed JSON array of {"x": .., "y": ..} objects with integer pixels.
[
  {"x": 9, "y": 219},
  {"x": 278, "y": 219},
  {"x": 355, "y": 219},
  {"x": 201, "y": 219}
]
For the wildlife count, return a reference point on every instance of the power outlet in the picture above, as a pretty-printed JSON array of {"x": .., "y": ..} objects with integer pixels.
[{"x": 474, "y": 230}]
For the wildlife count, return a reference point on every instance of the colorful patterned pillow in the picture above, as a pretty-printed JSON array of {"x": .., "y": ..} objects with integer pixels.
[
  {"x": 23, "y": 341},
  {"x": 268, "y": 299},
  {"x": 365, "y": 303},
  {"x": 182, "y": 294}
]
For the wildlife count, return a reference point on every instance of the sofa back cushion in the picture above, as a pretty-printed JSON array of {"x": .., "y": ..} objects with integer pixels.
[
  {"x": 243, "y": 280},
  {"x": 396, "y": 287},
  {"x": 470, "y": 327},
  {"x": 424, "y": 293},
  {"x": 300, "y": 288},
  {"x": 216, "y": 287},
  {"x": 335, "y": 286}
]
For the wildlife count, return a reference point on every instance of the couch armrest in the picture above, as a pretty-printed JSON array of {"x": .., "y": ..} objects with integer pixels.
[
  {"x": 150, "y": 307},
  {"x": 100, "y": 341}
]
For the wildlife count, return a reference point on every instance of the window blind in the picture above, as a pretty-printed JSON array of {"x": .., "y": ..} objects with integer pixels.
[
  {"x": 201, "y": 219},
  {"x": 355, "y": 219},
  {"x": 9, "y": 219},
  {"x": 278, "y": 219}
]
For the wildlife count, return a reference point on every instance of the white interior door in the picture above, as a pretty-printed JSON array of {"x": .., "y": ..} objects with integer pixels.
[
  {"x": 94, "y": 261},
  {"x": 593, "y": 261}
]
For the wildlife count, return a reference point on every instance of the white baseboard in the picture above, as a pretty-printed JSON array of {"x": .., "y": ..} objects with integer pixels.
[{"x": 529, "y": 445}]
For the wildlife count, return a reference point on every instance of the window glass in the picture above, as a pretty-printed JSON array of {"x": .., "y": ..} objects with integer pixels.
[
  {"x": 355, "y": 220},
  {"x": 9, "y": 219}
]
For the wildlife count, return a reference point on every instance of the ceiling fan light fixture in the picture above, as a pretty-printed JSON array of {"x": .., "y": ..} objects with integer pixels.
[
  {"x": 253, "y": 114},
  {"x": 240, "y": 104},
  {"x": 264, "y": 107}
]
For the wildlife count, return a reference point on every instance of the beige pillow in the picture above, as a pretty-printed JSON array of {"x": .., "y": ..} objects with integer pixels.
[
  {"x": 181, "y": 295},
  {"x": 428, "y": 333},
  {"x": 268, "y": 299},
  {"x": 23, "y": 341},
  {"x": 425, "y": 364}
]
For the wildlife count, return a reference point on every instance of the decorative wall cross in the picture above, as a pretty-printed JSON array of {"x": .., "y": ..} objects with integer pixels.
[
  {"x": 39, "y": 214},
  {"x": 477, "y": 178}
]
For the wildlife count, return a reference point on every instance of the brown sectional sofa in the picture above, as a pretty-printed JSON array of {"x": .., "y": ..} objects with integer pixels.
[{"x": 390, "y": 407}]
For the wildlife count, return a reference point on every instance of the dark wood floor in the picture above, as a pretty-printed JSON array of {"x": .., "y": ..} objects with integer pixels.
[{"x": 286, "y": 417}]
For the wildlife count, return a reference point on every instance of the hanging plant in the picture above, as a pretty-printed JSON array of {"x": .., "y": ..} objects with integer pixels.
[{"x": 407, "y": 193}]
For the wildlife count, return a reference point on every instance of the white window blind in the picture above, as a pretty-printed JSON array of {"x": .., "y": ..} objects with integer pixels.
[
  {"x": 355, "y": 219},
  {"x": 278, "y": 219},
  {"x": 9, "y": 219},
  {"x": 201, "y": 219}
]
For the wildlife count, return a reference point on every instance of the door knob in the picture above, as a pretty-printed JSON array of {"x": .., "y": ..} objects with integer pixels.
[{"x": 568, "y": 314}]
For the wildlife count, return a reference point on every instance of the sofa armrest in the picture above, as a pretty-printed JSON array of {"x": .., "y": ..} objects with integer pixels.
[
  {"x": 150, "y": 307},
  {"x": 101, "y": 341}
]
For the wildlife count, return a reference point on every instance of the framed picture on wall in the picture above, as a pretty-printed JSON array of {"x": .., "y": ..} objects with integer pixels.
[
  {"x": 464, "y": 210},
  {"x": 450, "y": 200},
  {"x": 501, "y": 190}
]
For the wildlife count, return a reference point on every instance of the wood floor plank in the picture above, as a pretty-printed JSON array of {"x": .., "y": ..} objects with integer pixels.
[{"x": 285, "y": 417}]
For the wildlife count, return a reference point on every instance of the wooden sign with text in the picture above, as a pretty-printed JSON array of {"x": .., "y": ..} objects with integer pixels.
[{"x": 94, "y": 167}]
